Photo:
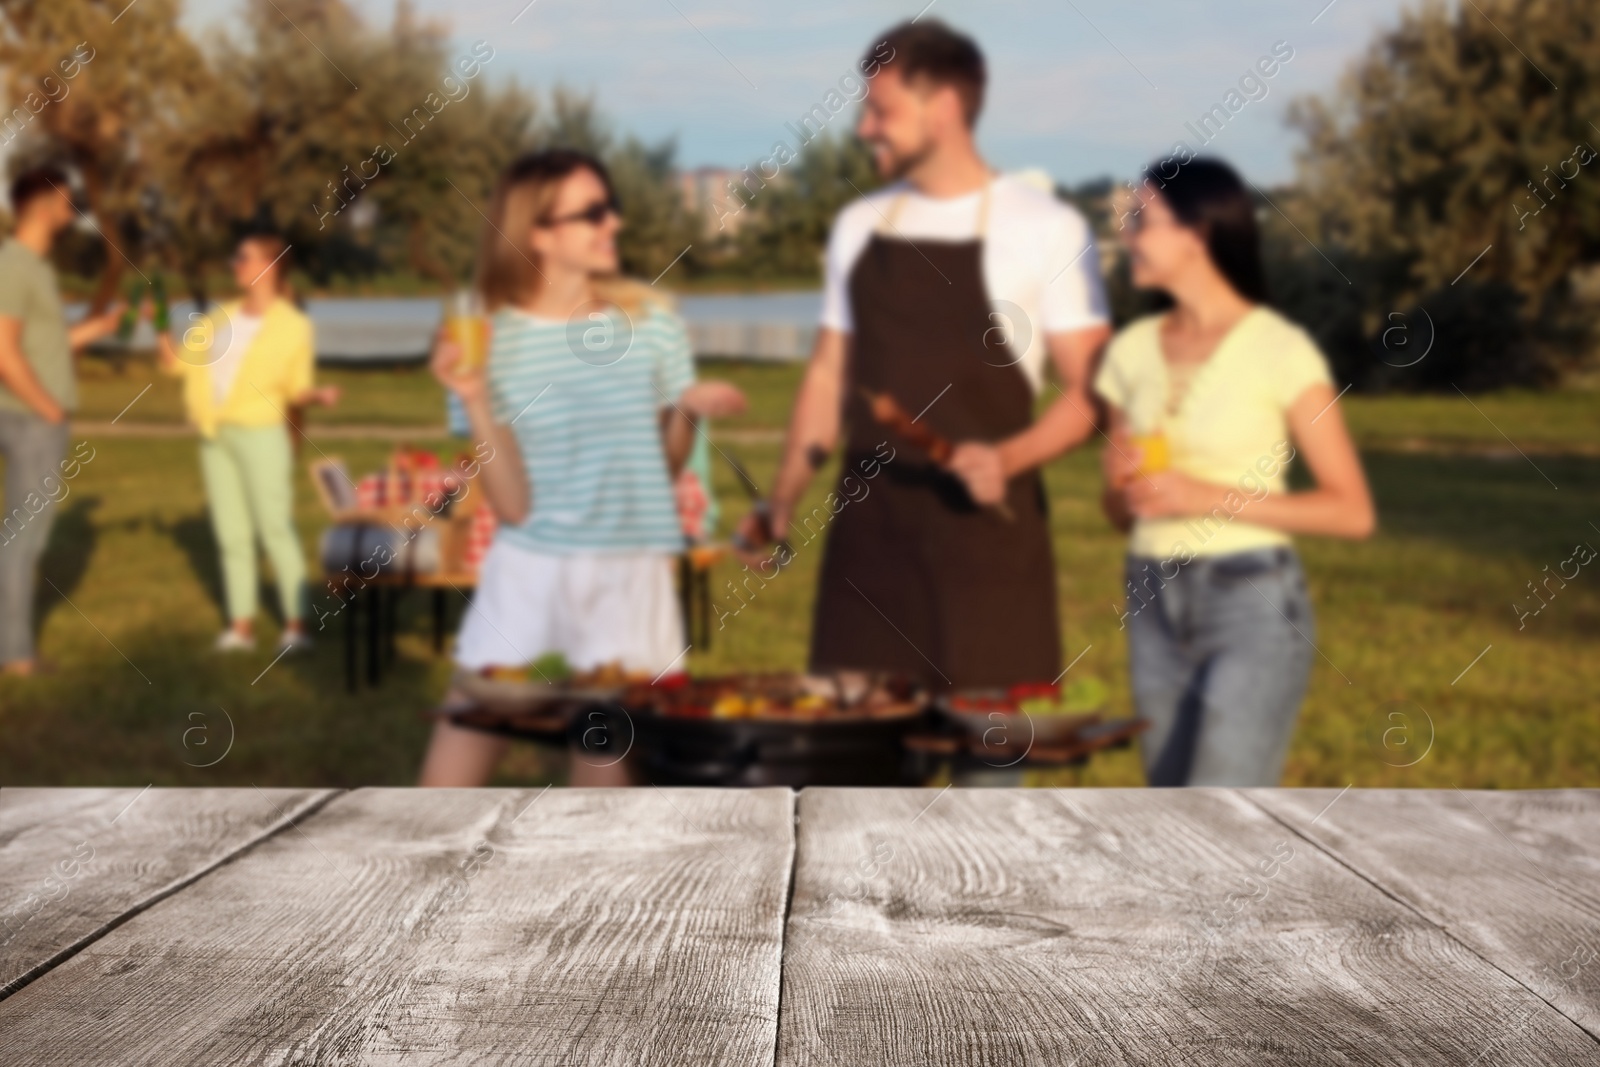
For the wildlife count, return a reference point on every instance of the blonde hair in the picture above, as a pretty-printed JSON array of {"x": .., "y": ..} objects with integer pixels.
[{"x": 525, "y": 194}]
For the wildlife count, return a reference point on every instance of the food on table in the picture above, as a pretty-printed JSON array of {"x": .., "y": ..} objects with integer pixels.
[
  {"x": 1082, "y": 696},
  {"x": 611, "y": 675},
  {"x": 735, "y": 706},
  {"x": 768, "y": 697},
  {"x": 551, "y": 667}
]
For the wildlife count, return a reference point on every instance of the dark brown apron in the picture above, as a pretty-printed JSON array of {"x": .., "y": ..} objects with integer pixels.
[{"x": 917, "y": 580}]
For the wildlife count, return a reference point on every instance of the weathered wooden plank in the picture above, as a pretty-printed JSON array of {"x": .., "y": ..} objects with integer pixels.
[
  {"x": 1514, "y": 875},
  {"x": 75, "y": 862},
  {"x": 450, "y": 926},
  {"x": 1120, "y": 927}
]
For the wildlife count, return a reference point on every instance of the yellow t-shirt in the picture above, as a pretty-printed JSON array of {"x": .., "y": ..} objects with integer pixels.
[
  {"x": 275, "y": 368},
  {"x": 1228, "y": 429}
]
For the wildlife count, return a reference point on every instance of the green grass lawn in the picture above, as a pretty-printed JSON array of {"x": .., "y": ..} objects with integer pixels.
[
  {"x": 393, "y": 396},
  {"x": 1464, "y": 529},
  {"x": 408, "y": 396}
]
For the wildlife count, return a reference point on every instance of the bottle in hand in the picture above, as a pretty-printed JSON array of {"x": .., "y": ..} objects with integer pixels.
[
  {"x": 1154, "y": 455},
  {"x": 468, "y": 326},
  {"x": 161, "y": 312},
  {"x": 130, "y": 314}
]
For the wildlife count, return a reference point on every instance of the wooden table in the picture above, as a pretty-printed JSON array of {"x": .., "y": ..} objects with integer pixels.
[
  {"x": 379, "y": 597},
  {"x": 826, "y": 927}
]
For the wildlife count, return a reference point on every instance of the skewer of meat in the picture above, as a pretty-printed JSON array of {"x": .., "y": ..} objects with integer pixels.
[{"x": 887, "y": 412}]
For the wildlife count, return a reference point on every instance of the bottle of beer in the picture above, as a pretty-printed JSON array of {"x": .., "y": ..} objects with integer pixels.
[
  {"x": 162, "y": 315},
  {"x": 130, "y": 314}
]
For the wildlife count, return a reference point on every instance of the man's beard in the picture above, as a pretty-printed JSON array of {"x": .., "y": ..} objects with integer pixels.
[{"x": 898, "y": 166}]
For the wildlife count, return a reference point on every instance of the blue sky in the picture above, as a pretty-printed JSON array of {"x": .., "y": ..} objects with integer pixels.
[{"x": 1078, "y": 87}]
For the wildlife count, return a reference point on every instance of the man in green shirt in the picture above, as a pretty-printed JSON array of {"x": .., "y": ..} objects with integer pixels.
[{"x": 37, "y": 392}]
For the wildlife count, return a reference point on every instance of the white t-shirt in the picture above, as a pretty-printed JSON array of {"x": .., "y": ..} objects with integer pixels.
[
  {"x": 242, "y": 330},
  {"x": 1038, "y": 257}
]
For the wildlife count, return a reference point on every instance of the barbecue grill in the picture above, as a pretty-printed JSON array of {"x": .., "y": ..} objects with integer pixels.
[{"x": 898, "y": 743}]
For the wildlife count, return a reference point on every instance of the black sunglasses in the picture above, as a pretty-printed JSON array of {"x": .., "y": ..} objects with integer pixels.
[{"x": 595, "y": 214}]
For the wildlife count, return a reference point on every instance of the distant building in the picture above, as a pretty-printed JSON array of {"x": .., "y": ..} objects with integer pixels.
[
  {"x": 1037, "y": 177},
  {"x": 708, "y": 190}
]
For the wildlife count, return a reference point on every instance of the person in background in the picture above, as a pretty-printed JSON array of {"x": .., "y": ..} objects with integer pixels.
[
  {"x": 1210, "y": 402},
  {"x": 244, "y": 366},
  {"x": 585, "y": 412},
  {"x": 37, "y": 392}
]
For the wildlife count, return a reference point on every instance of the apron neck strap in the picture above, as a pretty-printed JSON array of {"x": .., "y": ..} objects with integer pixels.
[{"x": 886, "y": 222}]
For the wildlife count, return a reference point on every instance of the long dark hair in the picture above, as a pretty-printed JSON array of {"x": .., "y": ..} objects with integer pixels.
[{"x": 1209, "y": 197}]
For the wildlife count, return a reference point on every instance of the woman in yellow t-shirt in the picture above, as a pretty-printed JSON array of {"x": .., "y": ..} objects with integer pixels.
[
  {"x": 1211, "y": 401},
  {"x": 244, "y": 365}
]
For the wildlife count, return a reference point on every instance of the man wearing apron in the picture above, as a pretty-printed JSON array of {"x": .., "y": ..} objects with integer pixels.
[{"x": 946, "y": 293}]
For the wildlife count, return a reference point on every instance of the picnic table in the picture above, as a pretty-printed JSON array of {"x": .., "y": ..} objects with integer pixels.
[{"x": 824, "y": 926}]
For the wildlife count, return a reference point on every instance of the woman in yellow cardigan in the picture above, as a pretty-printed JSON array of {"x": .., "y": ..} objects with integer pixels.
[{"x": 244, "y": 365}]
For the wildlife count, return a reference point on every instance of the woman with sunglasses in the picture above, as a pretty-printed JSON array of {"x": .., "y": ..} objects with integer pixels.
[
  {"x": 245, "y": 366},
  {"x": 586, "y": 409},
  {"x": 1211, "y": 401}
]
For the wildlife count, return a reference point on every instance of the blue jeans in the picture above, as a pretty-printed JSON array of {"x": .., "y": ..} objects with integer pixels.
[{"x": 1220, "y": 649}]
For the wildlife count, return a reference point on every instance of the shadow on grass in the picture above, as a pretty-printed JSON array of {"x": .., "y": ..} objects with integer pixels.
[
  {"x": 197, "y": 541},
  {"x": 159, "y": 706},
  {"x": 192, "y": 534},
  {"x": 175, "y": 713},
  {"x": 66, "y": 557},
  {"x": 1489, "y": 506}
]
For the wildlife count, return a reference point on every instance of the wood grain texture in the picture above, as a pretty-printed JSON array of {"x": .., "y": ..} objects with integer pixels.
[
  {"x": 449, "y": 926},
  {"x": 1079, "y": 927},
  {"x": 75, "y": 862},
  {"x": 1514, "y": 875}
]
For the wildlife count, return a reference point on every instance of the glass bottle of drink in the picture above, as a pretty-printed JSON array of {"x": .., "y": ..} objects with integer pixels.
[
  {"x": 161, "y": 314},
  {"x": 1154, "y": 454},
  {"x": 130, "y": 314},
  {"x": 468, "y": 326}
]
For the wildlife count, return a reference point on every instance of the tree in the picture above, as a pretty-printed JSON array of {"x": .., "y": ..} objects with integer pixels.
[
  {"x": 130, "y": 65},
  {"x": 794, "y": 211},
  {"x": 314, "y": 113},
  {"x": 445, "y": 163},
  {"x": 1447, "y": 142},
  {"x": 286, "y": 121},
  {"x": 658, "y": 227}
]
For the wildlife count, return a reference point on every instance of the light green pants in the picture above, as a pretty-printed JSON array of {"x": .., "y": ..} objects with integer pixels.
[{"x": 248, "y": 473}]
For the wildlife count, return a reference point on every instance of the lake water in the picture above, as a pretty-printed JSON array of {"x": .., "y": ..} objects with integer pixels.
[{"x": 768, "y": 326}]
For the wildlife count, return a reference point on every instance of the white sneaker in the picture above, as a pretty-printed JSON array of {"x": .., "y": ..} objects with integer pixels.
[
  {"x": 233, "y": 641},
  {"x": 294, "y": 642}
]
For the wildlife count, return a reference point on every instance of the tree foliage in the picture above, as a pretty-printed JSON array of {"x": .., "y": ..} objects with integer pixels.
[
  {"x": 793, "y": 213},
  {"x": 658, "y": 228},
  {"x": 1465, "y": 131},
  {"x": 140, "y": 68},
  {"x": 372, "y": 149}
]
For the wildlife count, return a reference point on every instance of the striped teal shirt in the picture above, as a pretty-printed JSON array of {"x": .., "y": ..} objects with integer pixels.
[{"x": 583, "y": 399}]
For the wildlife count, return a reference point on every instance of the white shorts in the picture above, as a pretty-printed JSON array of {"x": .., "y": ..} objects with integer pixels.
[{"x": 593, "y": 608}]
